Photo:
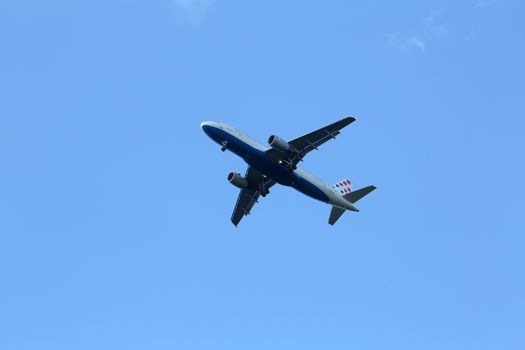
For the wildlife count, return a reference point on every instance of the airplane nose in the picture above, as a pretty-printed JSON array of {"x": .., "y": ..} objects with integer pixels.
[{"x": 207, "y": 127}]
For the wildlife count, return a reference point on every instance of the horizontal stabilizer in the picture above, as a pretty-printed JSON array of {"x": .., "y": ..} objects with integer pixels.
[
  {"x": 335, "y": 214},
  {"x": 354, "y": 196}
]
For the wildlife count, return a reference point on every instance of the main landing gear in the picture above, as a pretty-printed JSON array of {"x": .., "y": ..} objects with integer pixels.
[{"x": 263, "y": 189}]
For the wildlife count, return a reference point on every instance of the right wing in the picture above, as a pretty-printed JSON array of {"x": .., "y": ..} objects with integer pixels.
[
  {"x": 248, "y": 196},
  {"x": 300, "y": 146}
]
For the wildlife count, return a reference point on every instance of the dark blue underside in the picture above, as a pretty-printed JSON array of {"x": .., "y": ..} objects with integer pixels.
[{"x": 264, "y": 164}]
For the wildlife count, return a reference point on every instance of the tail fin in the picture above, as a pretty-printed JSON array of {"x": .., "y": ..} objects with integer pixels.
[
  {"x": 342, "y": 187},
  {"x": 352, "y": 197}
]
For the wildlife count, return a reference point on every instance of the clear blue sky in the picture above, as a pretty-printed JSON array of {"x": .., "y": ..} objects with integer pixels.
[{"x": 114, "y": 205}]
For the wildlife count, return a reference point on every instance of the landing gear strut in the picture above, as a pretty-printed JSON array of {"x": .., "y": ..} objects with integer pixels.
[
  {"x": 224, "y": 145},
  {"x": 263, "y": 189}
]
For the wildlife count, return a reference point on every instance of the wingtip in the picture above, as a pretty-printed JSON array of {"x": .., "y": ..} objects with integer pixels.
[{"x": 346, "y": 121}]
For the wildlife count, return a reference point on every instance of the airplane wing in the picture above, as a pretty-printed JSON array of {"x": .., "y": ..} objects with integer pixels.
[
  {"x": 301, "y": 146},
  {"x": 248, "y": 196}
]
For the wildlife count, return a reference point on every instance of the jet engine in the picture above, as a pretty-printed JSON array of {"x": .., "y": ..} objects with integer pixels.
[
  {"x": 278, "y": 143},
  {"x": 237, "y": 180}
]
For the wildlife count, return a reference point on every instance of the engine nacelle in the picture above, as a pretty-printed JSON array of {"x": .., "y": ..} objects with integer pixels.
[
  {"x": 237, "y": 180},
  {"x": 278, "y": 143}
]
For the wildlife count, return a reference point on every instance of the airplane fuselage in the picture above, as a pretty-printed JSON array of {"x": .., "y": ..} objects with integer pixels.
[{"x": 255, "y": 155}]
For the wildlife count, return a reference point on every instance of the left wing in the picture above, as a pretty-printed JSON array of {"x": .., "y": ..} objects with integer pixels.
[
  {"x": 301, "y": 146},
  {"x": 248, "y": 196}
]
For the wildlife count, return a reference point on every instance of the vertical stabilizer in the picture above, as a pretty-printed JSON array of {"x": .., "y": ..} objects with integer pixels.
[{"x": 343, "y": 187}]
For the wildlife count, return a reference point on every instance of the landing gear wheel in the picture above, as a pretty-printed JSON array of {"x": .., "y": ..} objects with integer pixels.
[{"x": 263, "y": 189}]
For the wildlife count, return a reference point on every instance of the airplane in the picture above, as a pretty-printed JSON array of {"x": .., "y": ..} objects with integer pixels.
[{"x": 278, "y": 164}]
